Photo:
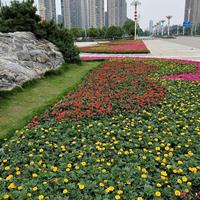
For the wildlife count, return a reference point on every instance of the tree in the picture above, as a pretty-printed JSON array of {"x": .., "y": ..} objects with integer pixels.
[
  {"x": 77, "y": 32},
  {"x": 114, "y": 32},
  {"x": 18, "y": 17},
  {"x": 129, "y": 27},
  {"x": 61, "y": 37},
  {"x": 93, "y": 32}
]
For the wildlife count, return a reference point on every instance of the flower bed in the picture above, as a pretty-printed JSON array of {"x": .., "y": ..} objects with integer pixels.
[
  {"x": 195, "y": 76},
  {"x": 146, "y": 153},
  {"x": 124, "y": 46},
  {"x": 115, "y": 87}
]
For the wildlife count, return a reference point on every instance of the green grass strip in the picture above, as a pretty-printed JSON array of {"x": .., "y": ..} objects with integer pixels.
[{"x": 19, "y": 106}]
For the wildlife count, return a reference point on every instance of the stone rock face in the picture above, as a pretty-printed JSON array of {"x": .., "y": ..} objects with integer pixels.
[{"x": 24, "y": 58}]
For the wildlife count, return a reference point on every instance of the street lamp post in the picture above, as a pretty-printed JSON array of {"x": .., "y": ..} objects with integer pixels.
[
  {"x": 162, "y": 24},
  {"x": 135, "y": 3},
  {"x": 169, "y": 18}
]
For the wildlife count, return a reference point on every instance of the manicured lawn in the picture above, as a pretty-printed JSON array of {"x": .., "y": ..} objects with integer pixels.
[
  {"x": 121, "y": 46},
  {"x": 18, "y": 108},
  {"x": 125, "y": 133}
]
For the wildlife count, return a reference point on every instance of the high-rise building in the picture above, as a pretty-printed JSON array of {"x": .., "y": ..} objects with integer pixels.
[
  {"x": 192, "y": 11},
  {"x": 47, "y": 9},
  {"x": 106, "y": 19},
  {"x": 71, "y": 12},
  {"x": 117, "y": 12},
  {"x": 83, "y": 13},
  {"x": 96, "y": 13},
  {"x": 151, "y": 26}
]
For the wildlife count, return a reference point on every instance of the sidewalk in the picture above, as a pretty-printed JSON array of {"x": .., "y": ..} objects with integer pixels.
[{"x": 159, "y": 49}]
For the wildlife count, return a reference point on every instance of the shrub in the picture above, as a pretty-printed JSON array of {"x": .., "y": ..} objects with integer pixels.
[
  {"x": 59, "y": 36},
  {"x": 18, "y": 17}
]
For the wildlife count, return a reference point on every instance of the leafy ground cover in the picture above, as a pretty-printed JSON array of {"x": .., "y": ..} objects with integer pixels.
[
  {"x": 18, "y": 108},
  {"x": 146, "y": 152},
  {"x": 195, "y": 76},
  {"x": 122, "y": 46}
]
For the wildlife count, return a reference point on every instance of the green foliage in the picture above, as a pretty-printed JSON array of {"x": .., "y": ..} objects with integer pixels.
[
  {"x": 61, "y": 37},
  {"x": 114, "y": 32},
  {"x": 77, "y": 32},
  {"x": 18, "y": 17},
  {"x": 129, "y": 27},
  {"x": 21, "y": 16},
  {"x": 92, "y": 32}
]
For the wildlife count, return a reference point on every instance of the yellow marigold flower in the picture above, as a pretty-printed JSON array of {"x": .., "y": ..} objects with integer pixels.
[
  {"x": 177, "y": 193},
  {"x": 180, "y": 171},
  {"x": 184, "y": 178},
  {"x": 101, "y": 184},
  {"x": 81, "y": 186},
  {"x": 41, "y": 150},
  {"x": 20, "y": 188},
  {"x": 168, "y": 166},
  {"x": 65, "y": 191},
  {"x": 77, "y": 167},
  {"x": 157, "y": 148},
  {"x": 7, "y": 168},
  {"x": 157, "y": 194},
  {"x": 69, "y": 165},
  {"x": 6, "y": 196},
  {"x": 18, "y": 173},
  {"x": 163, "y": 173},
  {"x": 190, "y": 153},
  {"x": 83, "y": 164},
  {"x": 54, "y": 168},
  {"x": 110, "y": 189},
  {"x": 180, "y": 162},
  {"x": 144, "y": 157},
  {"x": 40, "y": 197},
  {"x": 179, "y": 181},
  {"x": 189, "y": 183},
  {"x": 187, "y": 190},
  {"x": 139, "y": 198},
  {"x": 66, "y": 180},
  {"x": 34, "y": 175},
  {"x": 11, "y": 186},
  {"x": 158, "y": 185},
  {"x": 34, "y": 188},
  {"x": 29, "y": 194},
  {"x": 144, "y": 176},
  {"x": 68, "y": 169},
  {"x": 167, "y": 148},
  {"x": 117, "y": 197},
  {"x": 9, "y": 177},
  {"x": 119, "y": 192}
]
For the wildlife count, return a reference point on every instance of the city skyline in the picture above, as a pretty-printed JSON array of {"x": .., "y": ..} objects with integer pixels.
[{"x": 147, "y": 10}]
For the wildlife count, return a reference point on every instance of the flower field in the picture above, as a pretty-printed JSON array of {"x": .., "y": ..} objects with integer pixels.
[
  {"x": 126, "y": 132},
  {"x": 126, "y": 46}
]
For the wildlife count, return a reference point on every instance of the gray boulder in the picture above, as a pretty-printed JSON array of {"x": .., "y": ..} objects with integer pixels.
[{"x": 24, "y": 58}]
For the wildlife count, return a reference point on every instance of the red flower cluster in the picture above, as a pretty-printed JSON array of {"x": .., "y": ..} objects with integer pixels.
[
  {"x": 122, "y": 46},
  {"x": 115, "y": 87}
]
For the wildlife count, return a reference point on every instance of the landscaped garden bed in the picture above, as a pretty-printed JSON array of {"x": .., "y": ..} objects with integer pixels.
[
  {"x": 126, "y": 132},
  {"x": 121, "y": 46}
]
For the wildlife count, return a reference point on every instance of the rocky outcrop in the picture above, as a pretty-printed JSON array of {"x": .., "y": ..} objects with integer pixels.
[{"x": 24, "y": 58}]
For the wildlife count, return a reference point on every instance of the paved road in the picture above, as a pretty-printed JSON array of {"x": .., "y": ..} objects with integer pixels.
[
  {"x": 188, "y": 41},
  {"x": 180, "y": 48},
  {"x": 170, "y": 49}
]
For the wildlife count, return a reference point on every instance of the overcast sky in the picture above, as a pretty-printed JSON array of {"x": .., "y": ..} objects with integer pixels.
[{"x": 153, "y": 9}]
